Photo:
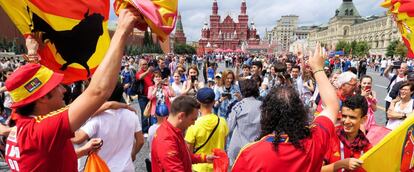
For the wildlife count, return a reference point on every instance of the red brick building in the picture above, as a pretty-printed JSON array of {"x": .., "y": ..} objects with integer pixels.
[
  {"x": 229, "y": 33},
  {"x": 179, "y": 36}
]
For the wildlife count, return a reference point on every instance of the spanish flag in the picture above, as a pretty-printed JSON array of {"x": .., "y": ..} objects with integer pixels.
[
  {"x": 393, "y": 153},
  {"x": 73, "y": 34},
  {"x": 159, "y": 15},
  {"x": 403, "y": 13}
]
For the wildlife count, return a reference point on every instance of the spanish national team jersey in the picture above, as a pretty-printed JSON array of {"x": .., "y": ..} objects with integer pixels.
[
  {"x": 261, "y": 156},
  {"x": 41, "y": 143}
]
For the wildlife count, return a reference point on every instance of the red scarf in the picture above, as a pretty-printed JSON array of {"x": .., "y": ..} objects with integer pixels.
[{"x": 357, "y": 145}]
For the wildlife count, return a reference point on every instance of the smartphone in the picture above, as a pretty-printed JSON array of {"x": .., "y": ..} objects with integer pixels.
[
  {"x": 368, "y": 88},
  {"x": 193, "y": 78}
]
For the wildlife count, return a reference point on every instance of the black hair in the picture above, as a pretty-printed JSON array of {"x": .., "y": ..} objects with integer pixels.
[
  {"x": 26, "y": 110},
  {"x": 117, "y": 93},
  {"x": 245, "y": 66},
  {"x": 258, "y": 64},
  {"x": 357, "y": 102},
  {"x": 184, "y": 104},
  {"x": 296, "y": 67},
  {"x": 280, "y": 67},
  {"x": 284, "y": 113},
  {"x": 353, "y": 70},
  {"x": 249, "y": 88},
  {"x": 257, "y": 78}
]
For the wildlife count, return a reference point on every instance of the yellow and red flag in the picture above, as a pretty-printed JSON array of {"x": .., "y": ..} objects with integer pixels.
[
  {"x": 403, "y": 13},
  {"x": 73, "y": 33},
  {"x": 159, "y": 15},
  {"x": 393, "y": 153}
]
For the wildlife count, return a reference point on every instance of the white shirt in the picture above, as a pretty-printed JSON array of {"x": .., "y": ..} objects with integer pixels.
[
  {"x": 384, "y": 63},
  {"x": 117, "y": 129},
  {"x": 394, "y": 123},
  {"x": 151, "y": 132},
  {"x": 398, "y": 79},
  {"x": 177, "y": 88}
]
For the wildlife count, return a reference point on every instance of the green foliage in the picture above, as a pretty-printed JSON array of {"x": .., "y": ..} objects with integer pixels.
[
  {"x": 396, "y": 48},
  {"x": 361, "y": 48},
  {"x": 133, "y": 50},
  {"x": 343, "y": 46},
  {"x": 12, "y": 45},
  {"x": 401, "y": 50},
  {"x": 391, "y": 49},
  {"x": 355, "y": 48},
  {"x": 184, "y": 49}
]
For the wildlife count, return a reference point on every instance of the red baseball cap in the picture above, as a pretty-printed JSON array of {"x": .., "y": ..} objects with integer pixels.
[{"x": 31, "y": 82}]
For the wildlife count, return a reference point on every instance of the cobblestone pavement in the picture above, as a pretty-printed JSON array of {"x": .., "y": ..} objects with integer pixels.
[{"x": 140, "y": 160}]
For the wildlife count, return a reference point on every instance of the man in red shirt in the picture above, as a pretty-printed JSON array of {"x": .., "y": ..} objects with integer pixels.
[
  {"x": 40, "y": 141},
  {"x": 350, "y": 142},
  {"x": 168, "y": 149},
  {"x": 145, "y": 74},
  {"x": 287, "y": 142}
]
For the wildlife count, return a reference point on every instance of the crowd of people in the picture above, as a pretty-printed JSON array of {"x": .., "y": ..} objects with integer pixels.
[{"x": 293, "y": 112}]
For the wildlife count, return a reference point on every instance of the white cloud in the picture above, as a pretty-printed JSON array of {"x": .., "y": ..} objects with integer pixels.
[{"x": 265, "y": 13}]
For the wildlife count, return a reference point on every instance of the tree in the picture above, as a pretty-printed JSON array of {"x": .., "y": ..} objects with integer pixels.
[
  {"x": 401, "y": 50},
  {"x": 343, "y": 46},
  {"x": 184, "y": 49},
  {"x": 391, "y": 49},
  {"x": 361, "y": 48}
]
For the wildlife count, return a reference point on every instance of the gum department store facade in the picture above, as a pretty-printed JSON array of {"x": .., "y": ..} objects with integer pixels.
[{"x": 349, "y": 26}]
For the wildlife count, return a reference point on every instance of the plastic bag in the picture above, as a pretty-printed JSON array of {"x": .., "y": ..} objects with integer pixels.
[
  {"x": 220, "y": 164},
  {"x": 95, "y": 163}
]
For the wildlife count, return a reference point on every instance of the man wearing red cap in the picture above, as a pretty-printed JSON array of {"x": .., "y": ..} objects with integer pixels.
[{"x": 40, "y": 141}]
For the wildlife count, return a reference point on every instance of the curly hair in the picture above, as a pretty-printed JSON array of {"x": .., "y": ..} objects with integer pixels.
[{"x": 284, "y": 113}]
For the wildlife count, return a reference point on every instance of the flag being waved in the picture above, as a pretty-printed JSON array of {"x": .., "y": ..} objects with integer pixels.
[
  {"x": 72, "y": 34},
  {"x": 394, "y": 152},
  {"x": 403, "y": 13},
  {"x": 159, "y": 15}
]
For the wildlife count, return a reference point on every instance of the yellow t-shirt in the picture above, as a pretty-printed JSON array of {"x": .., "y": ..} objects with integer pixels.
[{"x": 198, "y": 133}]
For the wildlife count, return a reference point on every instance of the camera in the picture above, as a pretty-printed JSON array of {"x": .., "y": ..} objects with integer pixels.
[{"x": 226, "y": 94}]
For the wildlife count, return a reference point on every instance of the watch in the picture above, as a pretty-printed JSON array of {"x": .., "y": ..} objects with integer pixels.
[{"x": 404, "y": 116}]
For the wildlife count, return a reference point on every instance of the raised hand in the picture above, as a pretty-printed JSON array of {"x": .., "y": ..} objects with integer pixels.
[
  {"x": 316, "y": 61},
  {"x": 127, "y": 19}
]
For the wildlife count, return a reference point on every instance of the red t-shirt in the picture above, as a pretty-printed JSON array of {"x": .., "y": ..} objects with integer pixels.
[
  {"x": 169, "y": 151},
  {"x": 41, "y": 143},
  {"x": 334, "y": 153},
  {"x": 147, "y": 81},
  {"x": 261, "y": 155}
]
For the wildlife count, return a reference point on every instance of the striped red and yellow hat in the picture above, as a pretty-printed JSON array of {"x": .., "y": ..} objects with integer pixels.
[{"x": 31, "y": 82}]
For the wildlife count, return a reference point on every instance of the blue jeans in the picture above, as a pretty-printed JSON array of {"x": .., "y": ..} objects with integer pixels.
[
  {"x": 146, "y": 121},
  {"x": 143, "y": 101}
]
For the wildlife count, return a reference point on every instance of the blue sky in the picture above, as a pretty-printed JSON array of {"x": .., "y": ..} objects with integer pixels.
[{"x": 265, "y": 13}]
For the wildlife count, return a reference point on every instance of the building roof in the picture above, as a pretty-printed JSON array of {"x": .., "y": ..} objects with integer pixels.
[
  {"x": 347, "y": 9},
  {"x": 179, "y": 27}
]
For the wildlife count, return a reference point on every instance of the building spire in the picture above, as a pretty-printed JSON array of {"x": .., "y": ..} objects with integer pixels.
[
  {"x": 179, "y": 27},
  {"x": 243, "y": 7},
  {"x": 215, "y": 7}
]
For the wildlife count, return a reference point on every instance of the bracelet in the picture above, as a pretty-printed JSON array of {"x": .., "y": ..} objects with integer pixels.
[{"x": 320, "y": 70}]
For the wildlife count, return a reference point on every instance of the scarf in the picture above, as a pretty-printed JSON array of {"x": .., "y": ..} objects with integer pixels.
[{"x": 357, "y": 145}]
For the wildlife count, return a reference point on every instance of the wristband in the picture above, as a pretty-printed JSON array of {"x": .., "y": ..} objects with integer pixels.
[{"x": 320, "y": 70}]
